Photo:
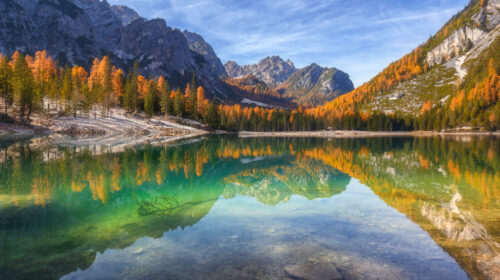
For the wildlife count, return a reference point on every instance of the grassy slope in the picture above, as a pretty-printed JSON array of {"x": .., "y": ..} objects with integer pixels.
[{"x": 409, "y": 96}]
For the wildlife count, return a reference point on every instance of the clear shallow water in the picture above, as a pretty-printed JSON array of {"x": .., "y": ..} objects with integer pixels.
[{"x": 224, "y": 207}]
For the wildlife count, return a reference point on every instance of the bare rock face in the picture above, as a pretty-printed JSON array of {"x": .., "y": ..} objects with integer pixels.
[
  {"x": 65, "y": 31},
  {"x": 106, "y": 25},
  {"x": 272, "y": 70},
  {"x": 314, "y": 85},
  {"x": 457, "y": 43},
  {"x": 126, "y": 14},
  {"x": 198, "y": 45},
  {"x": 467, "y": 36},
  {"x": 16, "y": 27},
  {"x": 489, "y": 16},
  {"x": 157, "y": 46}
]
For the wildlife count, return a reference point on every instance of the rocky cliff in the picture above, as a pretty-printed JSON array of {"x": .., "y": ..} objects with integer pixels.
[
  {"x": 198, "y": 45},
  {"x": 126, "y": 14},
  {"x": 77, "y": 31},
  {"x": 315, "y": 85},
  {"x": 467, "y": 36},
  {"x": 458, "y": 42}
]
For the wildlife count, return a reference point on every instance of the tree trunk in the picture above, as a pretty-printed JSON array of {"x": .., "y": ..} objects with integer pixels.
[{"x": 29, "y": 113}]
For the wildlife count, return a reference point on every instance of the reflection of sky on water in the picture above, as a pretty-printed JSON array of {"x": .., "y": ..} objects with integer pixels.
[{"x": 241, "y": 237}]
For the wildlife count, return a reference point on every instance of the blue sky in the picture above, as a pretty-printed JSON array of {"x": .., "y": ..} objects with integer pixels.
[{"x": 360, "y": 37}]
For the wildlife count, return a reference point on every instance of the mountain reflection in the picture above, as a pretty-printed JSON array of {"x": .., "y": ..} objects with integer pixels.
[
  {"x": 59, "y": 206},
  {"x": 450, "y": 188}
]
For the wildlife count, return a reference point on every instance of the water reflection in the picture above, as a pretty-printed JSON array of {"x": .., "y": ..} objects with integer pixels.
[{"x": 62, "y": 206}]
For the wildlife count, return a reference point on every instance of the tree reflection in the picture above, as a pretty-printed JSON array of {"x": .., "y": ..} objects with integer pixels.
[{"x": 56, "y": 195}]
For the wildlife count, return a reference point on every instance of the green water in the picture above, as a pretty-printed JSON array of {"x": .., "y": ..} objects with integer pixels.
[{"x": 231, "y": 208}]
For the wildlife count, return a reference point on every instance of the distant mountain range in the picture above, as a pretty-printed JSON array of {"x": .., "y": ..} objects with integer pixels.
[{"x": 311, "y": 85}]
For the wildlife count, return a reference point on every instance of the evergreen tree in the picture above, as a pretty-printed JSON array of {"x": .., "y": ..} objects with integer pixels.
[
  {"x": 193, "y": 102},
  {"x": 213, "y": 118},
  {"x": 106, "y": 84},
  {"x": 23, "y": 87},
  {"x": 149, "y": 100},
  {"x": 200, "y": 99},
  {"x": 6, "y": 82},
  {"x": 67, "y": 89},
  {"x": 178, "y": 107},
  {"x": 130, "y": 100},
  {"x": 164, "y": 93}
]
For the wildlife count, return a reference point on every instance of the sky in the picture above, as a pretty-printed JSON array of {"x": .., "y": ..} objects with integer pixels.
[{"x": 359, "y": 37}]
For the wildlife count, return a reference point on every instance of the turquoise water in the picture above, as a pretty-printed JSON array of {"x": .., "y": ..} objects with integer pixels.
[{"x": 231, "y": 208}]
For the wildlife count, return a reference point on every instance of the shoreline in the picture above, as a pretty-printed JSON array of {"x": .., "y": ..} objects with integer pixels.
[
  {"x": 120, "y": 130},
  {"x": 116, "y": 131},
  {"x": 362, "y": 134}
]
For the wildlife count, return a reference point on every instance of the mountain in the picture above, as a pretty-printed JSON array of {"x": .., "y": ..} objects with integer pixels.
[
  {"x": 77, "y": 31},
  {"x": 452, "y": 80},
  {"x": 198, "y": 45},
  {"x": 126, "y": 14},
  {"x": 272, "y": 70},
  {"x": 311, "y": 85},
  {"x": 315, "y": 85},
  {"x": 254, "y": 92}
]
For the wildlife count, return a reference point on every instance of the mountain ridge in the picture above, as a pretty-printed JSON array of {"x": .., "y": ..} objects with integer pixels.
[
  {"x": 313, "y": 85},
  {"x": 272, "y": 70},
  {"x": 309, "y": 86}
]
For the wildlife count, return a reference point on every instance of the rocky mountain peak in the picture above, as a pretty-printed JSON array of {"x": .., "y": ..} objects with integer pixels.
[
  {"x": 468, "y": 35},
  {"x": 106, "y": 23},
  {"x": 126, "y": 14},
  {"x": 198, "y": 45},
  {"x": 272, "y": 70},
  {"x": 314, "y": 85}
]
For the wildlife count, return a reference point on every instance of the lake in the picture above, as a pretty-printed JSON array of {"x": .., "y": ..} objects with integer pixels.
[{"x": 223, "y": 207}]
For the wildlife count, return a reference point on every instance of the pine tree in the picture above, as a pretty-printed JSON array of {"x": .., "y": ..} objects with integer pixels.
[
  {"x": 67, "y": 88},
  {"x": 117, "y": 84},
  {"x": 127, "y": 98},
  {"x": 164, "y": 93},
  {"x": 6, "y": 82},
  {"x": 131, "y": 93},
  {"x": 23, "y": 87},
  {"x": 200, "y": 99},
  {"x": 193, "y": 101},
  {"x": 213, "y": 117},
  {"x": 106, "y": 84},
  {"x": 149, "y": 100},
  {"x": 178, "y": 103},
  {"x": 188, "y": 100}
]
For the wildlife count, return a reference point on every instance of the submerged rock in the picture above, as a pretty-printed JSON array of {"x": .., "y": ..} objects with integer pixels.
[{"x": 313, "y": 272}]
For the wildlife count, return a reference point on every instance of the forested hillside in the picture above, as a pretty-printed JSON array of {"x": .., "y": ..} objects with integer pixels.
[{"x": 450, "y": 81}]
